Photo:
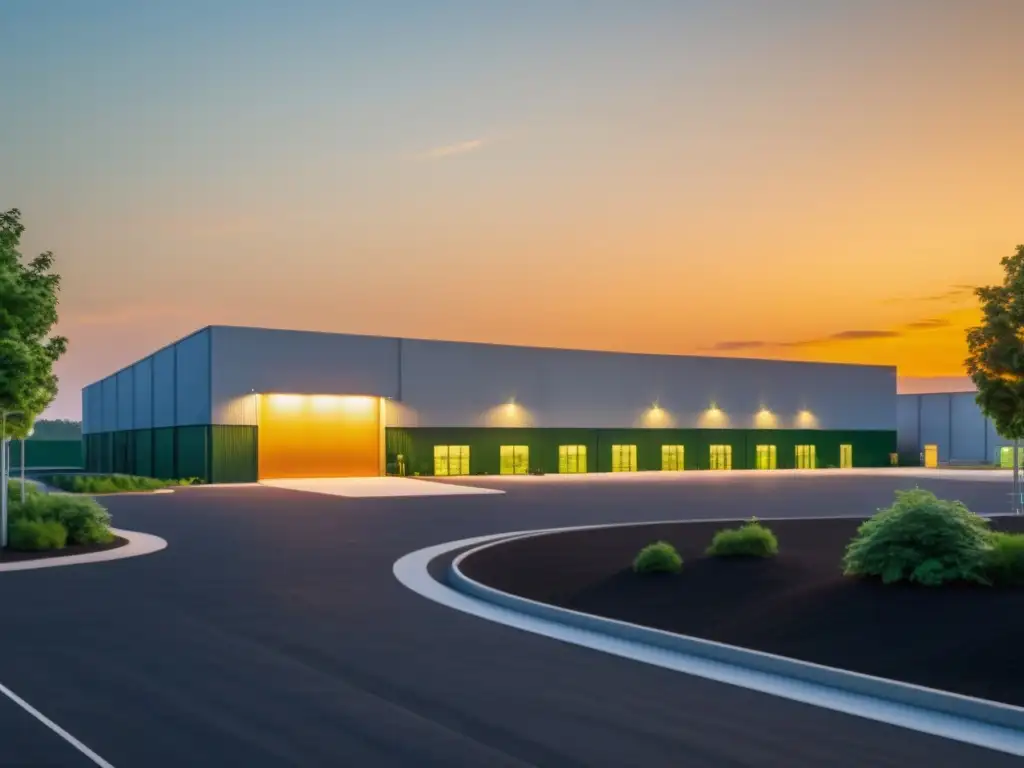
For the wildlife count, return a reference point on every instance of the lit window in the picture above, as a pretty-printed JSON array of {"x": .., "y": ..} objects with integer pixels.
[
  {"x": 672, "y": 458},
  {"x": 806, "y": 457},
  {"x": 721, "y": 457},
  {"x": 572, "y": 459},
  {"x": 515, "y": 459},
  {"x": 1006, "y": 457},
  {"x": 846, "y": 456},
  {"x": 623, "y": 458},
  {"x": 451, "y": 460},
  {"x": 766, "y": 457}
]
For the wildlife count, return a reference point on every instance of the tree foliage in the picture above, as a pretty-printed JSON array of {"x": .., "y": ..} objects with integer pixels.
[
  {"x": 28, "y": 312},
  {"x": 996, "y": 349}
]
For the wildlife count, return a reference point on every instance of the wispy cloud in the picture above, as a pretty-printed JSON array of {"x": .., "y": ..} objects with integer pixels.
[
  {"x": 955, "y": 294},
  {"x": 449, "y": 150},
  {"x": 856, "y": 334}
]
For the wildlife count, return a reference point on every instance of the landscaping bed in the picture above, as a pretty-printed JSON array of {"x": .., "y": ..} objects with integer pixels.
[
  {"x": 958, "y": 637},
  {"x": 16, "y": 556},
  {"x": 109, "y": 484}
]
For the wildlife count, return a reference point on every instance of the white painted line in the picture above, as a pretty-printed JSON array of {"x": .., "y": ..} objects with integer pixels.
[
  {"x": 411, "y": 571},
  {"x": 138, "y": 544},
  {"x": 54, "y": 727},
  {"x": 377, "y": 487}
]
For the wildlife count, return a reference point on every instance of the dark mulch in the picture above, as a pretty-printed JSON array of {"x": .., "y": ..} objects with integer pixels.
[
  {"x": 966, "y": 639},
  {"x": 13, "y": 556}
]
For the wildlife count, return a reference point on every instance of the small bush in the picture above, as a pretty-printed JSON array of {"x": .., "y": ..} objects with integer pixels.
[
  {"x": 660, "y": 557},
  {"x": 83, "y": 520},
  {"x": 921, "y": 539},
  {"x": 35, "y": 535},
  {"x": 1006, "y": 559},
  {"x": 750, "y": 540},
  {"x": 14, "y": 490},
  {"x": 113, "y": 483}
]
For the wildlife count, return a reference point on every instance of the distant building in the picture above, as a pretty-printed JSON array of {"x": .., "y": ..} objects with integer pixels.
[{"x": 948, "y": 428}]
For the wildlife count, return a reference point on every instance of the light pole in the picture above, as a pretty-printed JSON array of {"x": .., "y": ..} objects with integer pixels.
[
  {"x": 27, "y": 435},
  {"x": 5, "y": 468}
]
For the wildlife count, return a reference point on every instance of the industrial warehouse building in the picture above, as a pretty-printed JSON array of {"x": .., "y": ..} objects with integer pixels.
[
  {"x": 230, "y": 404},
  {"x": 948, "y": 428}
]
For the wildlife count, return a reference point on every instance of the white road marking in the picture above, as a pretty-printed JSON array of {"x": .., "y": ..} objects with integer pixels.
[
  {"x": 411, "y": 571},
  {"x": 95, "y": 758}
]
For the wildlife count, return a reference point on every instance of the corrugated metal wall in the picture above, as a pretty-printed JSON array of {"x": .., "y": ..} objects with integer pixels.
[
  {"x": 870, "y": 448},
  {"x": 953, "y": 422},
  {"x": 47, "y": 454}
]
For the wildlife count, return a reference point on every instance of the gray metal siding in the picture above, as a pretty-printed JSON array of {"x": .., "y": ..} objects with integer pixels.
[
  {"x": 142, "y": 408},
  {"x": 453, "y": 384},
  {"x": 92, "y": 409},
  {"x": 192, "y": 380},
  {"x": 969, "y": 426},
  {"x": 125, "y": 399},
  {"x": 935, "y": 423},
  {"x": 907, "y": 424},
  {"x": 254, "y": 360},
  {"x": 163, "y": 388},
  {"x": 108, "y": 390}
]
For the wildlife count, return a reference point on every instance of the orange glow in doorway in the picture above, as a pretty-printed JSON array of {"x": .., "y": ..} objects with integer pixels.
[{"x": 319, "y": 436}]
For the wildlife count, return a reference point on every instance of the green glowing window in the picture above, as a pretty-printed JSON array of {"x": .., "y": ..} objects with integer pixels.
[
  {"x": 1006, "y": 457},
  {"x": 721, "y": 457},
  {"x": 451, "y": 460},
  {"x": 846, "y": 456},
  {"x": 515, "y": 459},
  {"x": 572, "y": 459},
  {"x": 623, "y": 458},
  {"x": 806, "y": 457},
  {"x": 765, "y": 457},
  {"x": 672, "y": 457}
]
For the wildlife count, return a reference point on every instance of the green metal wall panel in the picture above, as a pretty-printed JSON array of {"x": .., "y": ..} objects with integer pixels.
[
  {"x": 44, "y": 454},
  {"x": 143, "y": 460},
  {"x": 233, "y": 454},
  {"x": 163, "y": 453},
  {"x": 870, "y": 448},
  {"x": 192, "y": 452}
]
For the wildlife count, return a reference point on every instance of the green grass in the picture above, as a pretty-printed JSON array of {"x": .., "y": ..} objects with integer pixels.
[
  {"x": 83, "y": 520},
  {"x": 90, "y": 484},
  {"x": 750, "y": 540},
  {"x": 659, "y": 557}
]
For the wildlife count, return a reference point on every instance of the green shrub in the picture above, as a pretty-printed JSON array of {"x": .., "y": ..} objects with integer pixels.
[
  {"x": 84, "y": 520},
  {"x": 14, "y": 490},
  {"x": 921, "y": 539},
  {"x": 1006, "y": 559},
  {"x": 660, "y": 557},
  {"x": 750, "y": 540},
  {"x": 35, "y": 535},
  {"x": 112, "y": 483}
]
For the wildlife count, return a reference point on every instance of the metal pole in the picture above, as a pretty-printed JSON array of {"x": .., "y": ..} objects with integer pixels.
[
  {"x": 3, "y": 479},
  {"x": 23, "y": 470},
  {"x": 1016, "y": 476}
]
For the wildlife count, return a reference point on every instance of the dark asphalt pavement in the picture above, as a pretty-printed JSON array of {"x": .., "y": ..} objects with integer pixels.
[{"x": 272, "y": 633}]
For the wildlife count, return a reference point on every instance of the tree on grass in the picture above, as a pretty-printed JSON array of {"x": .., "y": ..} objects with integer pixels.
[
  {"x": 996, "y": 357},
  {"x": 28, "y": 312}
]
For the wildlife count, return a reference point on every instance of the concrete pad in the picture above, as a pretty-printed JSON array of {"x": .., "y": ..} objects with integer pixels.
[{"x": 376, "y": 487}]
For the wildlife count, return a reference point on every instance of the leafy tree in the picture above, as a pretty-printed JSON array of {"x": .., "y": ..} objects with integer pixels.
[
  {"x": 57, "y": 429},
  {"x": 996, "y": 357},
  {"x": 28, "y": 312}
]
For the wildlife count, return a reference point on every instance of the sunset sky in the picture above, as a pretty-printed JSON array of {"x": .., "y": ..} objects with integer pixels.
[{"x": 805, "y": 179}]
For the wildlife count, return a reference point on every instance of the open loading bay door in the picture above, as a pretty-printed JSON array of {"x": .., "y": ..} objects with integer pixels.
[{"x": 303, "y": 436}]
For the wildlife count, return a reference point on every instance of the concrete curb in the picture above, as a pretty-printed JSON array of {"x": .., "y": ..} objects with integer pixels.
[
  {"x": 138, "y": 544},
  {"x": 113, "y": 493},
  {"x": 907, "y": 694}
]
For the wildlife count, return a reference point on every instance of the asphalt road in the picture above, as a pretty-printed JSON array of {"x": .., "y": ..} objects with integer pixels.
[{"x": 272, "y": 633}]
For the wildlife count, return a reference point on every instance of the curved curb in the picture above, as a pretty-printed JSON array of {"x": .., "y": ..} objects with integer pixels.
[
  {"x": 962, "y": 718},
  {"x": 113, "y": 493},
  {"x": 138, "y": 544}
]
